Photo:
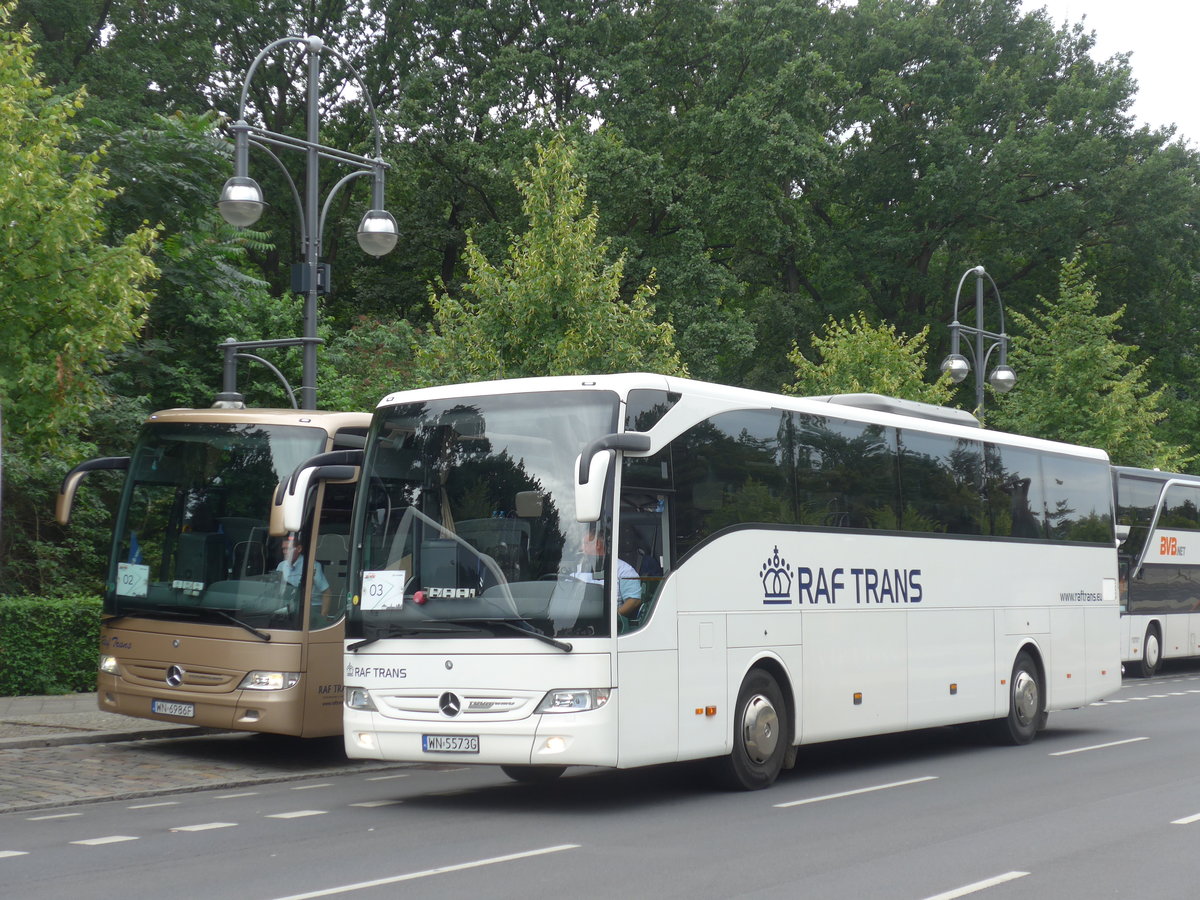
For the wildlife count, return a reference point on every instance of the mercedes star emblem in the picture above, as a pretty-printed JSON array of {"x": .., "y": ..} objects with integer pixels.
[
  {"x": 449, "y": 704},
  {"x": 174, "y": 676}
]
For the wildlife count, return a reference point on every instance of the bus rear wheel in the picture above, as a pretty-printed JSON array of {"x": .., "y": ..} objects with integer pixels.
[
  {"x": 1151, "y": 652},
  {"x": 1026, "y": 704},
  {"x": 533, "y": 774},
  {"x": 761, "y": 736}
]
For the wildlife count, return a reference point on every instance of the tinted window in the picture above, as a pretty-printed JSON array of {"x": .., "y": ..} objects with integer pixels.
[
  {"x": 941, "y": 479},
  {"x": 845, "y": 473},
  {"x": 1078, "y": 499},
  {"x": 1180, "y": 509},
  {"x": 1015, "y": 503}
]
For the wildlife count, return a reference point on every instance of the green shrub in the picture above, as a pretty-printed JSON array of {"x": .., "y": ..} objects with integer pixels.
[{"x": 48, "y": 646}]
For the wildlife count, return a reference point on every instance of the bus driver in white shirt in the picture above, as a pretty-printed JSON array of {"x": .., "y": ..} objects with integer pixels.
[{"x": 292, "y": 569}]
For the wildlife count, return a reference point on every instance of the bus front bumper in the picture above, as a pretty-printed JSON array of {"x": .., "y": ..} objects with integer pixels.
[
  {"x": 551, "y": 739},
  {"x": 276, "y": 712}
]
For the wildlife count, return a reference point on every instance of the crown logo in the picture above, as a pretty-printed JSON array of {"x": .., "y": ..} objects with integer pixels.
[{"x": 776, "y": 577}]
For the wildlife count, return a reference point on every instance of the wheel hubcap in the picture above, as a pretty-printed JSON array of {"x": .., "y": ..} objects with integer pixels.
[
  {"x": 760, "y": 729},
  {"x": 1025, "y": 698},
  {"x": 1152, "y": 650}
]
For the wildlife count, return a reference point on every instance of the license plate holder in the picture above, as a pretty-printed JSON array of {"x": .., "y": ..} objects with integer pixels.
[
  {"x": 450, "y": 743},
  {"x": 173, "y": 708}
]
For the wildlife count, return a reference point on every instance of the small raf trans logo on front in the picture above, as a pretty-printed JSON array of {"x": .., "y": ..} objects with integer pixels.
[{"x": 777, "y": 577}]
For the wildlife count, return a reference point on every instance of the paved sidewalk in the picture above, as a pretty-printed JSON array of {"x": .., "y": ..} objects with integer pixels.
[{"x": 59, "y": 751}]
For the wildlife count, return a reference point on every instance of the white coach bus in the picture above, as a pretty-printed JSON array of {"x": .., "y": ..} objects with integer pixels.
[
  {"x": 1158, "y": 518},
  {"x": 624, "y": 570}
]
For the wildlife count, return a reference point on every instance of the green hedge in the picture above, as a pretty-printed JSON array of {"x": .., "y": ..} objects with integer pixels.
[{"x": 48, "y": 646}]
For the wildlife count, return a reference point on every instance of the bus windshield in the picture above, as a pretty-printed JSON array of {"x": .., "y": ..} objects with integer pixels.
[
  {"x": 193, "y": 524},
  {"x": 466, "y": 523}
]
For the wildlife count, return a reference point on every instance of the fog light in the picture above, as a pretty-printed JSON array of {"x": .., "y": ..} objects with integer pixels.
[
  {"x": 108, "y": 665},
  {"x": 556, "y": 744},
  {"x": 365, "y": 739}
]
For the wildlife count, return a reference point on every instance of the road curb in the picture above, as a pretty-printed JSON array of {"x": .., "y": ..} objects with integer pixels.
[{"x": 105, "y": 737}]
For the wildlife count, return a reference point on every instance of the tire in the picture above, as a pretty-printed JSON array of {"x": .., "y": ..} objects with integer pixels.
[
  {"x": 761, "y": 736},
  {"x": 1151, "y": 652},
  {"x": 1026, "y": 704},
  {"x": 533, "y": 774}
]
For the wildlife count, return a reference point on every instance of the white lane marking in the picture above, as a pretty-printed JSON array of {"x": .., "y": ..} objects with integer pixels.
[
  {"x": 1187, "y": 821},
  {"x": 866, "y": 790},
  {"x": 440, "y": 870},
  {"x": 298, "y": 814},
  {"x": 242, "y": 794},
  {"x": 54, "y": 816},
  {"x": 153, "y": 805},
  {"x": 1100, "y": 746},
  {"x": 5, "y": 854},
  {"x": 311, "y": 787},
  {"x": 111, "y": 839},
  {"x": 386, "y": 777},
  {"x": 207, "y": 826},
  {"x": 371, "y": 804},
  {"x": 978, "y": 886}
]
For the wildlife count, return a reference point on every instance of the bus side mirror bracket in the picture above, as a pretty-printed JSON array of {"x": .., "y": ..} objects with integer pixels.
[
  {"x": 287, "y": 515},
  {"x": 593, "y": 464},
  {"x": 70, "y": 483}
]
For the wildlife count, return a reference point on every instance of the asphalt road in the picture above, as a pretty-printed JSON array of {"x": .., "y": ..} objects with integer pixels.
[{"x": 1106, "y": 803}]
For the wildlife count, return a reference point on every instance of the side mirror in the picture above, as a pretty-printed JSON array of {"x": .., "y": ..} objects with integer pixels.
[
  {"x": 70, "y": 484},
  {"x": 288, "y": 512},
  {"x": 589, "y": 492},
  {"x": 592, "y": 465}
]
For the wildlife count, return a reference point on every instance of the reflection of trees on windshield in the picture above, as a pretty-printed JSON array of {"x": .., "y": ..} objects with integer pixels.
[
  {"x": 195, "y": 515},
  {"x": 446, "y": 466}
]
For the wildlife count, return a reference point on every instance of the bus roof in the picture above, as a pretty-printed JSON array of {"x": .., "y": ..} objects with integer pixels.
[
  {"x": 328, "y": 419},
  {"x": 870, "y": 408}
]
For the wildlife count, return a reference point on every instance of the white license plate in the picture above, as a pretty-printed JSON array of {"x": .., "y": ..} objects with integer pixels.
[
  {"x": 172, "y": 708},
  {"x": 450, "y": 743}
]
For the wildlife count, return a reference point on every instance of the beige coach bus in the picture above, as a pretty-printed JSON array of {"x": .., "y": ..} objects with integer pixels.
[{"x": 212, "y": 616}]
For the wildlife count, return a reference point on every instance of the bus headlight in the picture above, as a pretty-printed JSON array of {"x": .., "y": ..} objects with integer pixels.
[
  {"x": 269, "y": 681},
  {"x": 108, "y": 665},
  {"x": 359, "y": 698},
  {"x": 573, "y": 700}
]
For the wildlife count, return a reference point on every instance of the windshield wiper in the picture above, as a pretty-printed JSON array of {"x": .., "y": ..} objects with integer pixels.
[
  {"x": 402, "y": 632},
  {"x": 261, "y": 635},
  {"x": 523, "y": 628}
]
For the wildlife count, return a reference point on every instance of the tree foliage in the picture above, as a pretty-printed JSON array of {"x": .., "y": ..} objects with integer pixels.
[
  {"x": 69, "y": 299},
  {"x": 553, "y": 307},
  {"x": 856, "y": 356},
  {"x": 1077, "y": 383},
  {"x": 757, "y": 172}
]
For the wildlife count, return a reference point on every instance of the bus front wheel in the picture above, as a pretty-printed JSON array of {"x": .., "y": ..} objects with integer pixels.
[
  {"x": 533, "y": 774},
  {"x": 761, "y": 736},
  {"x": 1151, "y": 652},
  {"x": 1026, "y": 704}
]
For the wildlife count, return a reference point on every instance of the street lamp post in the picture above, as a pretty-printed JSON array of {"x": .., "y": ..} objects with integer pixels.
[
  {"x": 1002, "y": 378},
  {"x": 241, "y": 202}
]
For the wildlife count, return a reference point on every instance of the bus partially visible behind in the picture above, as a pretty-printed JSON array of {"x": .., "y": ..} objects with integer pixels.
[
  {"x": 202, "y": 623},
  {"x": 1158, "y": 516}
]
